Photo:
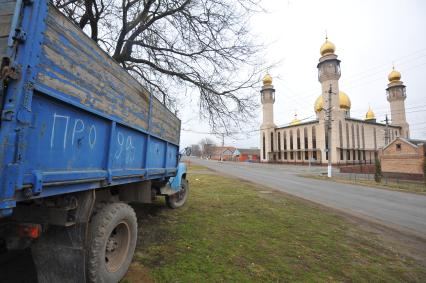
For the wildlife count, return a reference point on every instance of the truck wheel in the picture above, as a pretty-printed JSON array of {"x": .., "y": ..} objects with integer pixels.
[
  {"x": 178, "y": 199},
  {"x": 112, "y": 242}
]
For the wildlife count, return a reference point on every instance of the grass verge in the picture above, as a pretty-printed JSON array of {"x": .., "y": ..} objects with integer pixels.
[
  {"x": 233, "y": 231},
  {"x": 410, "y": 187}
]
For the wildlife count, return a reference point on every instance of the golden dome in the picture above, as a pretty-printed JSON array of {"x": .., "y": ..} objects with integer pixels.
[
  {"x": 295, "y": 121},
  {"x": 318, "y": 104},
  {"x": 394, "y": 76},
  {"x": 267, "y": 79},
  {"x": 327, "y": 48},
  {"x": 370, "y": 114},
  {"x": 344, "y": 102}
]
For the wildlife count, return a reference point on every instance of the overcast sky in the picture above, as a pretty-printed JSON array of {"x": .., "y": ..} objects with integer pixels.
[{"x": 369, "y": 37}]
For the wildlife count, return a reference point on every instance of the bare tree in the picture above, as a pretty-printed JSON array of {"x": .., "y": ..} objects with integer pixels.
[
  {"x": 195, "y": 150},
  {"x": 180, "y": 46},
  {"x": 207, "y": 146}
]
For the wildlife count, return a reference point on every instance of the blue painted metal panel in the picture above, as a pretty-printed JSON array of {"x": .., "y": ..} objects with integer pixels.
[
  {"x": 75, "y": 120},
  {"x": 156, "y": 152},
  {"x": 64, "y": 138},
  {"x": 128, "y": 148}
]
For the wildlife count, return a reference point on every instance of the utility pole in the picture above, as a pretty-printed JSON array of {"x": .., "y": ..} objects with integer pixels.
[
  {"x": 223, "y": 145},
  {"x": 387, "y": 130},
  {"x": 328, "y": 129}
]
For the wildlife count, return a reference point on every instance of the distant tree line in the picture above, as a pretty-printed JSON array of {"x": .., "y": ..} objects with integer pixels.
[{"x": 205, "y": 148}]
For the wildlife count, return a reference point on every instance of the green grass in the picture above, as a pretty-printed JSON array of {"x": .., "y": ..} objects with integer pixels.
[
  {"x": 232, "y": 231},
  {"x": 405, "y": 186}
]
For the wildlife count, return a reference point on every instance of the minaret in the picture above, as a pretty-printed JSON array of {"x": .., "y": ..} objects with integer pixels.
[
  {"x": 396, "y": 96},
  {"x": 329, "y": 74},
  {"x": 268, "y": 126}
]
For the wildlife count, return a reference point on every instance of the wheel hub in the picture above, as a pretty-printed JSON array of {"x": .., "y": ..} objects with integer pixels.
[
  {"x": 111, "y": 244},
  {"x": 117, "y": 247}
]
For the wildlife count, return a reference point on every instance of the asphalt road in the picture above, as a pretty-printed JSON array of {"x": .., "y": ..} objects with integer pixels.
[{"x": 404, "y": 211}]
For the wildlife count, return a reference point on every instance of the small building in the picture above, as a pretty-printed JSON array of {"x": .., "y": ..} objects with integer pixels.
[
  {"x": 223, "y": 153},
  {"x": 403, "y": 158},
  {"x": 247, "y": 154}
]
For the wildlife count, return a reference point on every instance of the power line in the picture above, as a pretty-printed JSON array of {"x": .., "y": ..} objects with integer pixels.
[
  {"x": 354, "y": 78},
  {"x": 365, "y": 72},
  {"x": 382, "y": 109}
]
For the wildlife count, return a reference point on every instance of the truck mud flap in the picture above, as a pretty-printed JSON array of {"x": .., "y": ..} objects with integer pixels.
[
  {"x": 57, "y": 263},
  {"x": 59, "y": 255}
]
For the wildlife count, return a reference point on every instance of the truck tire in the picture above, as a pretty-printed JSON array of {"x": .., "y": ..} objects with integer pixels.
[
  {"x": 178, "y": 199},
  {"x": 112, "y": 242}
]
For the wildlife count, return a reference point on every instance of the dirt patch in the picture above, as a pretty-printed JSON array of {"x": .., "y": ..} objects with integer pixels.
[{"x": 138, "y": 274}]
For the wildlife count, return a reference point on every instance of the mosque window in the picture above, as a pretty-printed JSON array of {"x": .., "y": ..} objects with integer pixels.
[
  {"x": 263, "y": 146},
  {"x": 298, "y": 145},
  {"x": 340, "y": 138},
  {"x": 291, "y": 145},
  {"x": 314, "y": 138},
  {"x": 353, "y": 136},
  {"x": 305, "y": 134},
  {"x": 348, "y": 154},
  {"x": 279, "y": 145},
  {"x": 347, "y": 136},
  {"x": 363, "y": 138},
  {"x": 272, "y": 142},
  {"x": 285, "y": 145},
  {"x": 357, "y": 138}
]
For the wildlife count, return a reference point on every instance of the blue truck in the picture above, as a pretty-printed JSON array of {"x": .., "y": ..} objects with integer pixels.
[{"x": 80, "y": 139}]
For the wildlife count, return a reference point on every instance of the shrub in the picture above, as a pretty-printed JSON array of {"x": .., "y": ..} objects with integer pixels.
[{"x": 378, "y": 172}]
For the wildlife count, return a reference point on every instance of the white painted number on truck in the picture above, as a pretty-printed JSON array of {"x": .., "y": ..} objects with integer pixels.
[{"x": 125, "y": 147}]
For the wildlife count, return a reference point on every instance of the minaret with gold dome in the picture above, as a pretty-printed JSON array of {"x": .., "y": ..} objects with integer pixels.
[
  {"x": 396, "y": 95},
  {"x": 339, "y": 104},
  {"x": 268, "y": 127},
  {"x": 329, "y": 73}
]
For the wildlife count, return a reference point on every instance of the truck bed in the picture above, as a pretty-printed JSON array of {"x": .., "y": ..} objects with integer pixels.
[
  {"x": 75, "y": 119},
  {"x": 7, "y": 7}
]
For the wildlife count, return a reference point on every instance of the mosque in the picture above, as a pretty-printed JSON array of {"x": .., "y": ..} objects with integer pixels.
[{"x": 352, "y": 141}]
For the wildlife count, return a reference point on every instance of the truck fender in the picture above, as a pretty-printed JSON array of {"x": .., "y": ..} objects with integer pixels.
[{"x": 175, "y": 182}]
